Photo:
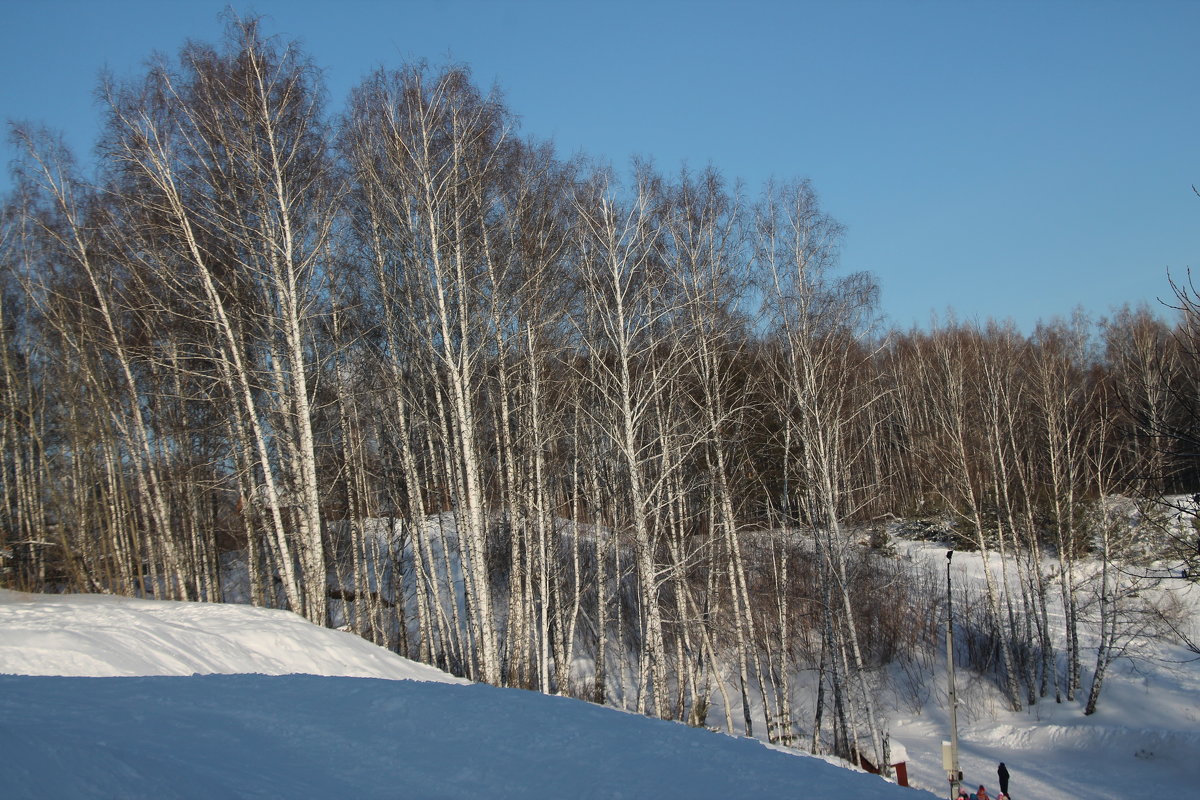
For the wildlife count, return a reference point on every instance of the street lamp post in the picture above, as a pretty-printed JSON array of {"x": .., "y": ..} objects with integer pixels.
[{"x": 950, "y": 754}]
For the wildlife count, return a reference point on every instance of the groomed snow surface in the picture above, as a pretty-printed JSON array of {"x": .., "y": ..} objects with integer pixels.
[{"x": 107, "y": 697}]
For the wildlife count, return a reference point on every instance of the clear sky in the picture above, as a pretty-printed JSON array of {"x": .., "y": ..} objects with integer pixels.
[{"x": 1002, "y": 159}]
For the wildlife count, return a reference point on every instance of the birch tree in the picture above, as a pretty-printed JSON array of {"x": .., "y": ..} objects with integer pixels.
[
  {"x": 822, "y": 324},
  {"x": 438, "y": 149},
  {"x": 626, "y": 305},
  {"x": 224, "y": 175}
]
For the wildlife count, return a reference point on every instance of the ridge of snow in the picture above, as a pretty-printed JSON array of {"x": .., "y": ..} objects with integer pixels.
[{"x": 110, "y": 636}]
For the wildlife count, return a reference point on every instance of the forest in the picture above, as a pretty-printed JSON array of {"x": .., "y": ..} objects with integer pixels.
[{"x": 624, "y": 435}]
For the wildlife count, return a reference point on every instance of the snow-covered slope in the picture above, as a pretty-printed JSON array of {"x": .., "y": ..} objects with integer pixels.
[
  {"x": 339, "y": 731},
  {"x": 179, "y": 735},
  {"x": 1143, "y": 742}
]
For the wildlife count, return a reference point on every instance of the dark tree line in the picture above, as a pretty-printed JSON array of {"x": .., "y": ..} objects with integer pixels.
[{"x": 635, "y": 440}]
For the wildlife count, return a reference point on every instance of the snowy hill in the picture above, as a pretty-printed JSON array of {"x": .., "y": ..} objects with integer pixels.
[
  {"x": 224, "y": 733},
  {"x": 119, "y": 711}
]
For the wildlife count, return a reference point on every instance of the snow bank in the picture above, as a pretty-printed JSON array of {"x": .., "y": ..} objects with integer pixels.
[{"x": 108, "y": 636}]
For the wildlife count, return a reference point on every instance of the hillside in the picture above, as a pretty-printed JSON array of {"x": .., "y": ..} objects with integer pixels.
[
  {"x": 1141, "y": 742},
  {"x": 395, "y": 729},
  {"x": 269, "y": 730}
]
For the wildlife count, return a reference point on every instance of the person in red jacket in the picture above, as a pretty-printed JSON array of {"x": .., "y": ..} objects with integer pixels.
[{"x": 982, "y": 794}]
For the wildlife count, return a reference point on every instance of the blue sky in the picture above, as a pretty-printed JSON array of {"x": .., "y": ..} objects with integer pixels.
[{"x": 1004, "y": 160}]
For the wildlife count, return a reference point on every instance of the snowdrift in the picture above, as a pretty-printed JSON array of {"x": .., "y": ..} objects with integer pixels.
[{"x": 108, "y": 636}]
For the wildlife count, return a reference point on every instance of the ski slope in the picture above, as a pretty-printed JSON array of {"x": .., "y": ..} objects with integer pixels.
[{"x": 107, "y": 697}]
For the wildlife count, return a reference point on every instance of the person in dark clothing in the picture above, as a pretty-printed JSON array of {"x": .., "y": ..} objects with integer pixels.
[{"x": 1002, "y": 773}]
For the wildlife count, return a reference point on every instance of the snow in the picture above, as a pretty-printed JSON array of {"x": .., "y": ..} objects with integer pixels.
[
  {"x": 109, "y": 636},
  {"x": 1142, "y": 742},
  {"x": 113, "y": 697},
  {"x": 154, "y": 729}
]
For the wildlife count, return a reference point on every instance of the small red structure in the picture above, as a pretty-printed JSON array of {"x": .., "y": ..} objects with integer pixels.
[{"x": 899, "y": 768}]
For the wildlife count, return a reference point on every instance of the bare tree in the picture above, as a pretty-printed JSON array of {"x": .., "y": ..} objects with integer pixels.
[
  {"x": 822, "y": 324},
  {"x": 222, "y": 170}
]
